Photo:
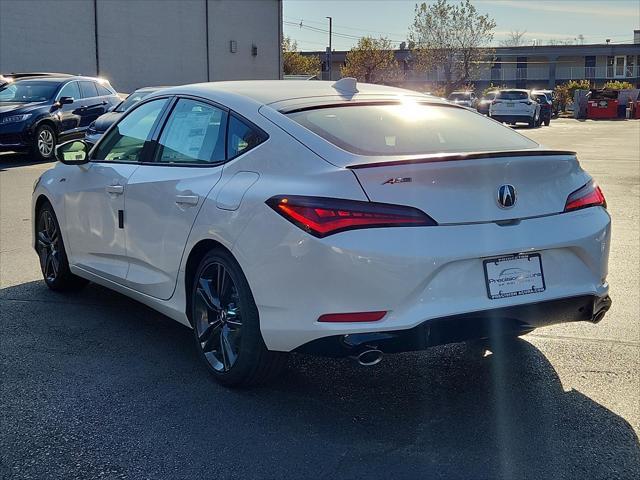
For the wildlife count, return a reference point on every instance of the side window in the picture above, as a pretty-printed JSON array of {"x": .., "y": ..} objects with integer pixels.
[
  {"x": 103, "y": 91},
  {"x": 70, "y": 90},
  {"x": 194, "y": 133},
  {"x": 88, "y": 89},
  {"x": 242, "y": 137},
  {"x": 126, "y": 141}
]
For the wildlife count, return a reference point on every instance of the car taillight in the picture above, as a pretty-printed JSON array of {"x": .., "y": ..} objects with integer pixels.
[
  {"x": 589, "y": 195},
  {"x": 321, "y": 216}
]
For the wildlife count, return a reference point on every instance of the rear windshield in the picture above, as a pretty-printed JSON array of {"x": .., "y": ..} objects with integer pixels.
[
  {"x": 512, "y": 95},
  {"x": 409, "y": 129}
]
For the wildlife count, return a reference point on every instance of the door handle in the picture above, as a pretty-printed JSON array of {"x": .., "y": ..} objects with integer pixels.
[
  {"x": 187, "y": 199},
  {"x": 115, "y": 189}
]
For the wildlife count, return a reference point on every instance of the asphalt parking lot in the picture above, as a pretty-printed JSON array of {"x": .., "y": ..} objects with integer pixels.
[{"x": 95, "y": 385}]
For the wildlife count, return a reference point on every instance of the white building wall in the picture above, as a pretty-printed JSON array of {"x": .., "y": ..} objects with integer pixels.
[{"x": 143, "y": 42}]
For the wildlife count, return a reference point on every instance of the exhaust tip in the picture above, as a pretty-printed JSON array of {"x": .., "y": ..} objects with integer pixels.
[{"x": 370, "y": 357}]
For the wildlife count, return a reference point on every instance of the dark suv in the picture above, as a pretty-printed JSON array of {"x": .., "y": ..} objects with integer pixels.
[{"x": 38, "y": 112}]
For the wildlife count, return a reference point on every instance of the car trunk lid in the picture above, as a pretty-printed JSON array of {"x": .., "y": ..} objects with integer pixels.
[{"x": 466, "y": 188}]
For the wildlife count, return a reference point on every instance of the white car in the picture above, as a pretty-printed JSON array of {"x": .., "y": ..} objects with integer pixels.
[
  {"x": 339, "y": 219},
  {"x": 515, "y": 106}
]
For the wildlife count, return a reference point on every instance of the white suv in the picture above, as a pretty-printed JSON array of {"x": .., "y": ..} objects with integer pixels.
[{"x": 513, "y": 106}]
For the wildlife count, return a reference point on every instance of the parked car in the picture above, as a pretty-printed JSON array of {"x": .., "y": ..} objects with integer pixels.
[
  {"x": 258, "y": 214},
  {"x": 551, "y": 96},
  {"x": 546, "y": 109},
  {"x": 515, "y": 106},
  {"x": 103, "y": 122},
  {"x": 485, "y": 102},
  {"x": 464, "y": 99},
  {"x": 37, "y": 112}
]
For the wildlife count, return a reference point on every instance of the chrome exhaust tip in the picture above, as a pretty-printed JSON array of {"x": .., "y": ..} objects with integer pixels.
[{"x": 368, "y": 357}]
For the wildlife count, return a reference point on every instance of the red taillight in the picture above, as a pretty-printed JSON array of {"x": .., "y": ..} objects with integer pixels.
[
  {"x": 322, "y": 216},
  {"x": 352, "y": 317},
  {"x": 589, "y": 195}
]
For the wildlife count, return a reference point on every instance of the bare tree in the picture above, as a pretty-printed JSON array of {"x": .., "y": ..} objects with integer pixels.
[
  {"x": 515, "y": 38},
  {"x": 452, "y": 36}
]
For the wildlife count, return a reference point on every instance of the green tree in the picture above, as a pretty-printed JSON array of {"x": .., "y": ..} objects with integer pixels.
[
  {"x": 294, "y": 63},
  {"x": 564, "y": 93},
  {"x": 372, "y": 60},
  {"x": 452, "y": 36}
]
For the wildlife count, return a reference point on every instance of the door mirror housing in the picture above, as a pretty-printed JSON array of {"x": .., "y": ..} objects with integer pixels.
[
  {"x": 66, "y": 100},
  {"x": 74, "y": 152}
]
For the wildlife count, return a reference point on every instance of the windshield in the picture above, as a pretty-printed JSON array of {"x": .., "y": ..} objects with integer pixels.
[
  {"x": 409, "y": 129},
  {"x": 131, "y": 100},
  {"x": 460, "y": 96},
  {"x": 541, "y": 98},
  {"x": 28, "y": 91},
  {"x": 489, "y": 96},
  {"x": 512, "y": 95}
]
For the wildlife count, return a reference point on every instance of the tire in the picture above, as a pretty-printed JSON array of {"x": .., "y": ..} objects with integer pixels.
[
  {"x": 226, "y": 324},
  {"x": 547, "y": 122},
  {"x": 44, "y": 143},
  {"x": 532, "y": 122},
  {"x": 52, "y": 254}
]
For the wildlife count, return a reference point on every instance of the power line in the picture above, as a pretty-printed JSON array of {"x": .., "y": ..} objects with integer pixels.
[{"x": 345, "y": 27}]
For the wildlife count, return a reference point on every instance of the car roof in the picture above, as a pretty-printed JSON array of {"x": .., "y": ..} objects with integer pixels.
[
  {"x": 280, "y": 93},
  {"x": 61, "y": 78}
]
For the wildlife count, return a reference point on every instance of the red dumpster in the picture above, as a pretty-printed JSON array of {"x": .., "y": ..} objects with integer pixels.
[{"x": 602, "y": 104}]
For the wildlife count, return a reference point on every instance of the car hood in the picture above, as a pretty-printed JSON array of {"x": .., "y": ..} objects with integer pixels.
[
  {"x": 20, "y": 107},
  {"x": 103, "y": 122}
]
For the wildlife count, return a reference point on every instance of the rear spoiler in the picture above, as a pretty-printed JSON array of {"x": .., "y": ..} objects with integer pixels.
[{"x": 446, "y": 157}]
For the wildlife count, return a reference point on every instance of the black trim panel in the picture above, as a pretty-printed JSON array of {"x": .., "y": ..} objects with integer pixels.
[{"x": 447, "y": 157}]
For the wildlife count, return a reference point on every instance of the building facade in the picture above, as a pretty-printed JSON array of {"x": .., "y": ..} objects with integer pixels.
[
  {"x": 136, "y": 43},
  {"x": 541, "y": 67}
]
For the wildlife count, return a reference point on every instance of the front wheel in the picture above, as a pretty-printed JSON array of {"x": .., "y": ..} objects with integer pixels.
[
  {"x": 226, "y": 324},
  {"x": 44, "y": 143},
  {"x": 53, "y": 256}
]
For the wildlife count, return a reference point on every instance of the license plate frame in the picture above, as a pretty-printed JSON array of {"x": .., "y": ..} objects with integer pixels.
[{"x": 518, "y": 282}]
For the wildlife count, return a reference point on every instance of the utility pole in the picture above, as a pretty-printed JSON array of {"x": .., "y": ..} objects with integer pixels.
[{"x": 329, "y": 50}]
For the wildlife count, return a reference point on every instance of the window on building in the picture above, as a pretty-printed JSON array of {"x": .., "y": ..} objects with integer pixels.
[{"x": 590, "y": 66}]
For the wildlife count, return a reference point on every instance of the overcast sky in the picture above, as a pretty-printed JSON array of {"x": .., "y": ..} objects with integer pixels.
[{"x": 596, "y": 20}]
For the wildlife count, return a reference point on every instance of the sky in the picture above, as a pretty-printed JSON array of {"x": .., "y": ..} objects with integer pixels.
[{"x": 543, "y": 20}]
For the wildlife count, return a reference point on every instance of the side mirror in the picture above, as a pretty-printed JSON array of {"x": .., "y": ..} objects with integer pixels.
[
  {"x": 73, "y": 152},
  {"x": 66, "y": 100}
]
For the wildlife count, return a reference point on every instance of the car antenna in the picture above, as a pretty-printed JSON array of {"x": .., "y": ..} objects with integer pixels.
[{"x": 346, "y": 85}]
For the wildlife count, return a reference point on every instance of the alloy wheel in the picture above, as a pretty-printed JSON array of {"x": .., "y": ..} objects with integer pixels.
[
  {"x": 45, "y": 142},
  {"x": 48, "y": 246},
  {"x": 217, "y": 317}
]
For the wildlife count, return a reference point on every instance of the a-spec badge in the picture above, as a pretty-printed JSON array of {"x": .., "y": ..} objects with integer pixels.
[{"x": 393, "y": 181}]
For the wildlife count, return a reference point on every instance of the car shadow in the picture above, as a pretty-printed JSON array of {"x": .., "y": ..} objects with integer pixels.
[
  {"x": 13, "y": 160},
  {"x": 97, "y": 373}
]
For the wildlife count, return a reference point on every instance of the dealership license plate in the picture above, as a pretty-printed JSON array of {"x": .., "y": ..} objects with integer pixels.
[{"x": 514, "y": 275}]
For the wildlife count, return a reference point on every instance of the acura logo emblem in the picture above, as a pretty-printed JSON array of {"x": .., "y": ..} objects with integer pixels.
[{"x": 506, "y": 196}]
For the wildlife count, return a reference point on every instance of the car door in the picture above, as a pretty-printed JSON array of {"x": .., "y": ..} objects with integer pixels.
[
  {"x": 69, "y": 114},
  {"x": 95, "y": 194},
  {"x": 164, "y": 197},
  {"x": 94, "y": 105}
]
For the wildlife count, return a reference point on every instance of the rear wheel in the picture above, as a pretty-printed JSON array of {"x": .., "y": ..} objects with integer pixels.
[
  {"x": 53, "y": 257},
  {"x": 44, "y": 142},
  {"x": 226, "y": 324},
  {"x": 547, "y": 122}
]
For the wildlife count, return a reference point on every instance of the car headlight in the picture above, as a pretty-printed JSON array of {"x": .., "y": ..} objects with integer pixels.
[{"x": 15, "y": 118}]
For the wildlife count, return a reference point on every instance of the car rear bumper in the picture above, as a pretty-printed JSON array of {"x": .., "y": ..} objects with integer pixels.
[
  {"x": 482, "y": 324},
  {"x": 511, "y": 118},
  {"x": 414, "y": 274}
]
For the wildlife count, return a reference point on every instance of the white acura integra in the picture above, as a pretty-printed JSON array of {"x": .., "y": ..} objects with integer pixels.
[{"x": 339, "y": 219}]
